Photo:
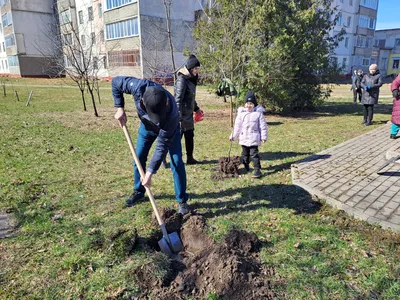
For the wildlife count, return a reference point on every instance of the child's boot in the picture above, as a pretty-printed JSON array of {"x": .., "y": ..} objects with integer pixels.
[{"x": 257, "y": 173}]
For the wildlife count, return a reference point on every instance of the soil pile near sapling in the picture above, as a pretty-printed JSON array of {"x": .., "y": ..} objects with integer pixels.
[
  {"x": 229, "y": 270},
  {"x": 228, "y": 167}
]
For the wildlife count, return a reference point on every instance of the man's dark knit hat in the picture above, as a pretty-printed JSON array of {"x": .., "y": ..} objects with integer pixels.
[
  {"x": 192, "y": 62},
  {"x": 250, "y": 97},
  {"x": 155, "y": 102}
]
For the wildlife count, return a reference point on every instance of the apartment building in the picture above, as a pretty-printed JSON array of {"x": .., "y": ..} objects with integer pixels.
[
  {"x": 91, "y": 34},
  {"x": 136, "y": 36},
  {"x": 25, "y": 47},
  {"x": 387, "y": 43},
  {"x": 358, "y": 19}
]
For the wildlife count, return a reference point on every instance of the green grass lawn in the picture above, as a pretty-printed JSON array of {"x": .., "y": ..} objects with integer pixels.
[{"x": 65, "y": 175}]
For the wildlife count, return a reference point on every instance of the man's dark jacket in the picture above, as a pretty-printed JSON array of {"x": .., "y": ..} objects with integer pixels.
[{"x": 130, "y": 85}]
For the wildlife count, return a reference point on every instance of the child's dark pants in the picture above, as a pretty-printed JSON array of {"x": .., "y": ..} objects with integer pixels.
[{"x": 251, "y": 153}]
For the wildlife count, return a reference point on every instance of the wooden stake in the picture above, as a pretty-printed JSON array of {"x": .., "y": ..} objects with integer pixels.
[
  {"x": 29, "y": 99},
  {"x": 16, "y": 95}
]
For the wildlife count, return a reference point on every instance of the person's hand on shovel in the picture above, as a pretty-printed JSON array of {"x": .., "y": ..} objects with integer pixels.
[
  {"x": 120, "y": 115},
  {"x": 146, "y": 181}
]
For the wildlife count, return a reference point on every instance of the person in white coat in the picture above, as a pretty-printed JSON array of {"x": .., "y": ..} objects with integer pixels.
[{"x": 250, "y": 129}]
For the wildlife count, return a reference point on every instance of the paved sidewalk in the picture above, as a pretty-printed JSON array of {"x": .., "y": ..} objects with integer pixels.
[{"x": 345, "y": 176}]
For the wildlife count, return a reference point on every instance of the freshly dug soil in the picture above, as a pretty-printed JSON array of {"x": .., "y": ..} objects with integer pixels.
[
  {"x": 228, "y": 167},
  {"x": 229, "y": 270}
]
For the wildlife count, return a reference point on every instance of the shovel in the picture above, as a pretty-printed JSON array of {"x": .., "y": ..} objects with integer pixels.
[
  {"x": 388, "y": 162},
  {"x": 170, "y": 243}
]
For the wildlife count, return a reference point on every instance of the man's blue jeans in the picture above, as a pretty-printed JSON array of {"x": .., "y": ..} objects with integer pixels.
[{"x": 144, "y": 142}]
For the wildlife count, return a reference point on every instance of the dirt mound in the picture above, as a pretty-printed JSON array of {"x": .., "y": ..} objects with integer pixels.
[
  {"x": 228, "y": 270},
  {"x": 228, "y": 167}
]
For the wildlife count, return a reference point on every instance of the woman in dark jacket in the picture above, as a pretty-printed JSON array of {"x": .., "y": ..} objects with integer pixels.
[
  {"x": 185, "y": 95},
  {"x": 370, "y": 84}
]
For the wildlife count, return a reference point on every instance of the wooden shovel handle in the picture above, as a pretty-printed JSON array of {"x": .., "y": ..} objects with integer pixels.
[{"x": 140, "y": 168}]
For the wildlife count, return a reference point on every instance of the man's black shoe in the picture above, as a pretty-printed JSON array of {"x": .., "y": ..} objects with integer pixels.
[
  {"x": 393, "y": 136},
  {"x": 191, "y": 161},
  {"x": 246, "y": 167},
  {"x": 136, "y": 197}
]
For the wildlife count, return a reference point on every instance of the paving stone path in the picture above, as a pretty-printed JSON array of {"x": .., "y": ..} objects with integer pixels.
[{"x": 345, "y": 176}]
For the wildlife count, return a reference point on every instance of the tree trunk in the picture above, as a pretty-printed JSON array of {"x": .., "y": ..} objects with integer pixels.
[
  {"x": 90, "y": 90},
  {"x": 171, "y": 48},
  {"x": 83, "y": 98},
  {"x": 97, "y": 88}
]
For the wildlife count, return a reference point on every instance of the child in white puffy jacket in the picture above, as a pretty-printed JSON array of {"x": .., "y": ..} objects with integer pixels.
[{"x": 251, "y": 129}]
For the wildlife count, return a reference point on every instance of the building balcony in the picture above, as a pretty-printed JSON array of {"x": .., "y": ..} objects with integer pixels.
[
  {"x": 18, "y": 48},
  {"x": 365, "y": 31},
  {"x": 369, "y": 12},
  {"x": 121, "y": 13},
  {"x": 365, "y": 52}
]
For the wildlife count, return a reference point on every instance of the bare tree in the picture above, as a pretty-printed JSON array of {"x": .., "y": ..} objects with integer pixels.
[
  {"x": 77, "y": 54},
  {"x": 167, "y": 6}
]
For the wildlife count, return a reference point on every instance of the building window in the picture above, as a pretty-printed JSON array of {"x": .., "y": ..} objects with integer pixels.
[
  {"x": 6, "y": 63},
  {"x": 65, "y": 17},
  {"x": 370, "y": 3},
  {"x": 371, "y": 24},
  {"x": 13, "y": 61},
  {"x": 339, "y": 19},
  {"x": 344, "y": 62},
  {"x": 100, "y": 9},
  {"x": 95, "y": 63},
  {"x": 397, "y": 42},
  {"x": 83, "y": 40},
  {"x": 67, "y": 62},
  {"x": 396, "y": 64},
  {"x": 351, "y": 2},
  {"x": 9, "y": 40},
  {"x": 346, "y": 42},
  {"x": 348, "y": 21},
  {"x": 122, "y": 29},
  {"x": 366, "y": 22},
  {"x": 6, "y": 19},
  {"x": 80, "y": 16},
  {"x": 365, "y": 62},
  {"x": 116, "y": 3},
  {"x": 101, "y": 36},
  {"x": 383, "y": 62},
  {"x": 124, "y": 58},
  {"x": 360, "y": 41},
  {"x": 368, "y": 42},
  {"x": 90, "y": 13},
  {"x": 2, "y": 2},
  {"x": 67, "y": 39},
  {"x": 105, "y": 62}
]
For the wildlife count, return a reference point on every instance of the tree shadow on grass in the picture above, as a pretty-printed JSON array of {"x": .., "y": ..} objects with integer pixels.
[
  {"x": 255, "y": 197},
  {"x": 236, "y": 200},
  {"x": 271, "y": 156}
]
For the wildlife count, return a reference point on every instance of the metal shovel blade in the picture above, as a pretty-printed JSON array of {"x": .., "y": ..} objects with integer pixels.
[
  {"x": 388, "y": 162},
  {"x": 172, "y": 244}
]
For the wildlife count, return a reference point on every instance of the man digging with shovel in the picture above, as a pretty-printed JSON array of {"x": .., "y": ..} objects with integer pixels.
[{"x": 159, "y": 117}]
